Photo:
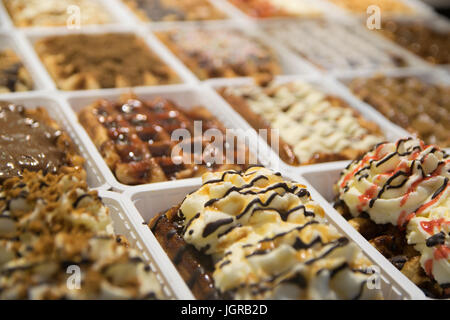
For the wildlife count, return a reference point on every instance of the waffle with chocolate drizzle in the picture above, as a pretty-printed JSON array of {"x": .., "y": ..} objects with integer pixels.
[{"x": 253, "y": 235}]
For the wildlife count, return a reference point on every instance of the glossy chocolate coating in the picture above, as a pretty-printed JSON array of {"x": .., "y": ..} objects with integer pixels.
[{"x": 26, "y": 143}]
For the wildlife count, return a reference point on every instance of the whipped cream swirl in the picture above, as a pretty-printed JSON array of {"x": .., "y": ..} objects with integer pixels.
[
  {"x": 406, "y": 184},
  {"x": 268, "y": 239}
]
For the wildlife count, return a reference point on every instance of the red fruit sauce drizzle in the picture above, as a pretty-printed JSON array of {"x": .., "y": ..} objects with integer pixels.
[
  {"x": 429, "y": 226},
  {"x": 440, "y": 252}
]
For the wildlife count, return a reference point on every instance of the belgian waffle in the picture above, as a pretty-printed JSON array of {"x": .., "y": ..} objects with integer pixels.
[
  {"x": 94, "y": 61},
  {"x": 386, "y": 6},
  {"x": 421, "y": 108},
  {"x": 276, "y": 8},
  {"x": 13, "y": 75},
  {"x": 334, "y": 46},
  {"x": 31, "y": 13},
  {"x": 222, "y": 53},
  {"x": 52, "y": 223},
  {"x": 428, "y": 43},
  {"x": 397, "y": 197},
  {"x": 313, "y": 127},
  {"x": 253, "y": 235},
  {"x": 174, "y": 10},
  {"x": 134, "y": 137}
]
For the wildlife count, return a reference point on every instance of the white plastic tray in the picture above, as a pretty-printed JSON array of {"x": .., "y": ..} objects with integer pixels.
[
  {"x": 127, "y": 223},
  {"x": 151, "y": 202},
  {"x": 152, "y": 198}
]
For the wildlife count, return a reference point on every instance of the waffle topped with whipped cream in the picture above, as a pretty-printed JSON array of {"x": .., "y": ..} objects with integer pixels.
[
  {"x": 313, "y": 127},
  {"x": 403, "y": 189},
  {"x": 266, "y": 238},
  {"x": 52, "y": 224}
]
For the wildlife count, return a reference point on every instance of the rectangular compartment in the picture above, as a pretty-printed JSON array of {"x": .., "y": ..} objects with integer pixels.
[
  {"x": 329, "y": 86},
  {"x": 434, "y": 22},
  {"x": 360, "y": 38},
  {"x": 185, "y": 96},
  {"x": 322, "y": 181},
  {"x": 108, "y": 5},
  {"x": 151, "y": 202},
  {"x": 290, "y": 63},
  {"x": 34, "y": 35},
  {"x": 54, "y": 105},
  {"x": 428, "y": 75}
]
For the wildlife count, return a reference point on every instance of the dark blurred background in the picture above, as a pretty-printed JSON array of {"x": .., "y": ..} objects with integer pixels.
[{"x": 441, "y": 6}]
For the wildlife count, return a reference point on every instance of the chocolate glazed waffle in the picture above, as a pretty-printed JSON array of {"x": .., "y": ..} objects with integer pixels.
[
  {"x": 134, "y": 137},
  {"x": 31, "y": 140}
]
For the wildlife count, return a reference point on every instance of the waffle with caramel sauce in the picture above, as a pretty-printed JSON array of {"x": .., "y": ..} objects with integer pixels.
[{"x": 135, "y": 138}]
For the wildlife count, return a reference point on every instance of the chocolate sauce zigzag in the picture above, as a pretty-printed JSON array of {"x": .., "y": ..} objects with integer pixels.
[{"x": 266, "y": 238}]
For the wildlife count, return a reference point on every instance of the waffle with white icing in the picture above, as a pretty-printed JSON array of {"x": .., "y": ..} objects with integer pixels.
[
  {"x": 313, "y": 127},
  {"x": 333, "y": 45}
]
